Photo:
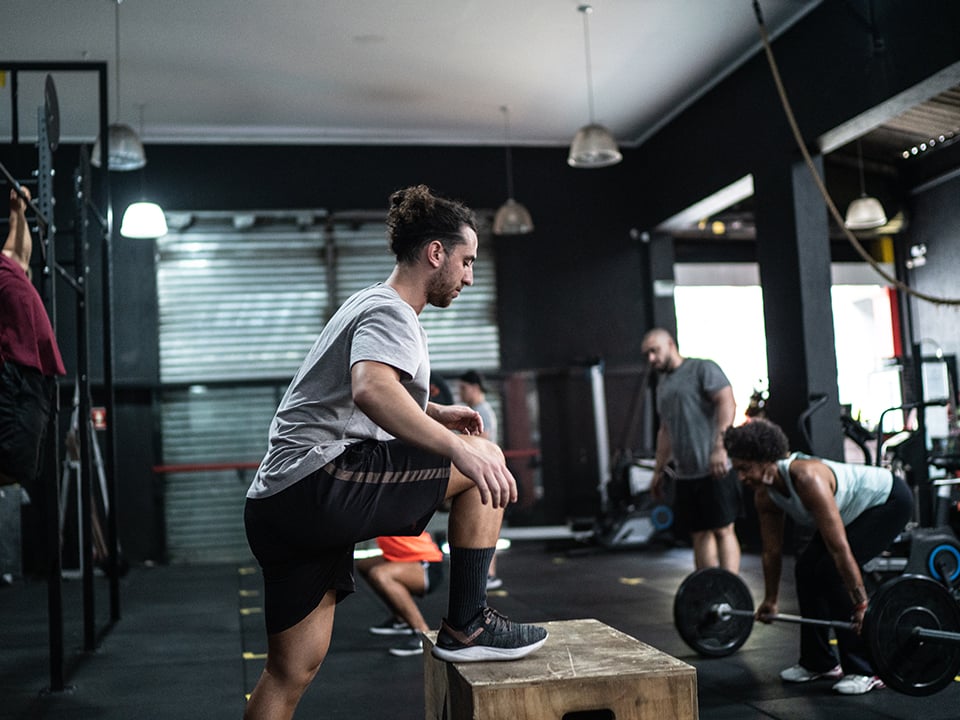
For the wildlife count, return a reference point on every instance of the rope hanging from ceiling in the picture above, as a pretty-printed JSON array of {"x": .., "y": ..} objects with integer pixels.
[{"x": 834, "y": 212}]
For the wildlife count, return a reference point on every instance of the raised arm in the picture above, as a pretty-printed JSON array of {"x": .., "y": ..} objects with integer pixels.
[{"x": 19, "y": 244}]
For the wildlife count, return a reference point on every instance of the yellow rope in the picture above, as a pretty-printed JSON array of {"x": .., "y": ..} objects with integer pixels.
[{"x": 851, "y": 238}]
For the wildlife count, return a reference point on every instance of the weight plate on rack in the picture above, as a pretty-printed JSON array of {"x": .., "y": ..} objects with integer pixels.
[
  {"x": 695, "y": 616},
  {"x": 51, "y": 113}
]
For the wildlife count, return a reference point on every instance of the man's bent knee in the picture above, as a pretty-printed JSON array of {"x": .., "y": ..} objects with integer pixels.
[{"x": 292, "y": 679}]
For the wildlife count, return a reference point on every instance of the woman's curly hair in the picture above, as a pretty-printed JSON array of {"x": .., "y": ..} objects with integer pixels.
[
  {"x": 758, "y": 440},
  {"x": 417, "y": 216}
]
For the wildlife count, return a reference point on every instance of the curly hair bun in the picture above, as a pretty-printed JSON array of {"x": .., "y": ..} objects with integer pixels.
[
  {"x": 417, "y": 216},
  {"x": 411, "y": 204}
]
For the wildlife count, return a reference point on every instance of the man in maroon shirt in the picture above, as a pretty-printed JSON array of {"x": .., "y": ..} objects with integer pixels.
[{"x": 29, "y": 357}]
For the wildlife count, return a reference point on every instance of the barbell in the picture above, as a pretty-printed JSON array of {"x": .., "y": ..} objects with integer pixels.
[{"x": 911, "y": 628}]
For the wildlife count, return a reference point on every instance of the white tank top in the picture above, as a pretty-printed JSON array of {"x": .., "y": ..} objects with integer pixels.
[{"x": 859, "y": 488}]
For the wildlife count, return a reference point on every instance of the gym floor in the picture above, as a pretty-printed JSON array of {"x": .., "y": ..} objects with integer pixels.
[{"x": 189, "y": 643}]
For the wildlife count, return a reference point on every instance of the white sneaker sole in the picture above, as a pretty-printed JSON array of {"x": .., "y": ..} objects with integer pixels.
[
  {"x": 835, "y": 676},
  {"x": 390, "y": 631},
  {"x": 859, "y": 690},
  {"x": 480, "y": 653}
]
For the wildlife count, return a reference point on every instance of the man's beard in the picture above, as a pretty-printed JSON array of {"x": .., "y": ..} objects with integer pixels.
[{"x": 441, "y": 289}]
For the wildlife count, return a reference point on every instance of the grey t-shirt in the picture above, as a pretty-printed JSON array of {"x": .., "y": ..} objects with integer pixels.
[
  {"x": 317, "y": 418},
  {"x": 489, "y": 421},
  {"x": 685, "y": 406}
]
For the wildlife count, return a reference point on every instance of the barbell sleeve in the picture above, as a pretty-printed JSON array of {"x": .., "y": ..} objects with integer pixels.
[{"x": 936, "y": 635}]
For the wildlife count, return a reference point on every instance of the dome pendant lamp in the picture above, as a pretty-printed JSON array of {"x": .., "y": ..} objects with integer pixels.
[
  {"x": 512, "y": 218},
  {"x": 125, "y": 151},
  {"x": 864, "y": 213},
  {"x": 593, "y": 146},
  {"x": 143, "y": 219}
]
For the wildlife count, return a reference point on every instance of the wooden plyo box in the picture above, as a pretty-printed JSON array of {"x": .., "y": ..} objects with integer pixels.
[{"x": 585, "y": 670}]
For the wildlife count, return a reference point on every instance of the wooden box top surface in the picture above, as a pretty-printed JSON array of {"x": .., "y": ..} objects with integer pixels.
[{"x": 575, "y": 649}]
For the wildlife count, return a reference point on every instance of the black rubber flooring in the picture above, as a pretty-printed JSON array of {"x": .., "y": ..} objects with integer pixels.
[{"x": 189, "y": 644}]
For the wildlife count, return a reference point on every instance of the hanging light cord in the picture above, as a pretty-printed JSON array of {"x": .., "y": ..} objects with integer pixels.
[
  {"x": 586, "y": 10},
  {"x": 506, "y": 134},
  {"x": 851, "y": 238},
  {"x": 143, "y": 171},
  {"x": 116, "y": 55},
  {"x": 863, "y": 184}
]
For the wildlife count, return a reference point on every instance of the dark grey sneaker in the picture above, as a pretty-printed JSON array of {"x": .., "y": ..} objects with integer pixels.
[
  {"x": 412, "y": 646},
  {"x": 489, "y": 636},
  {"x": 392, "y": 626}
]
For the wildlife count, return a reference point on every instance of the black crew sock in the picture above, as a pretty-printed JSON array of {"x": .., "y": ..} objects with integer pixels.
[{"x": 468, "y": 583}]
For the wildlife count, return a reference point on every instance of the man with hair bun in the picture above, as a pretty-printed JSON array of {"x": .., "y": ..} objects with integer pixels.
[
  {"x": 856, "y": 512},
  {"x": 356, "y": 450}
]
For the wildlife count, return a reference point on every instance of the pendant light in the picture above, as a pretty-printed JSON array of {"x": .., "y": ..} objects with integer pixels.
[
  {"x": 143, "y": 219},
  {"x": 864, "y": 213},
  {"x": 512, "y": 218},
  {"x": 593, "y": 146},
  {"x": 125, "y": 151}
]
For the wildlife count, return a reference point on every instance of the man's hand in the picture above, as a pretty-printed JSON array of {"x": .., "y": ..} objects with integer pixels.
[
  {"x": 718, "y": 462},
  {"x": 483, "y": 463},
  {"x": 457, "y": 417}
]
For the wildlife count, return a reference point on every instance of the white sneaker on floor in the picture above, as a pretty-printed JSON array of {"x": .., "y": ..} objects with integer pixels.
[
  {"x": 858, "y": 684},
  {"x": 494, "y": 583},
  {"x": 412, "y": 646},
  {"x": 799, "y": 674},
  {"x": 392, "y": 626}
]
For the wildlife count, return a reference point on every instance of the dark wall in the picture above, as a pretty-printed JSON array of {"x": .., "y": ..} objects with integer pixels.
[{"x": 936, "y": 213}]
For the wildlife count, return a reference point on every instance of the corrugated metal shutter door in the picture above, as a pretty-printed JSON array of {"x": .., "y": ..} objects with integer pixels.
[
  {"x": 204, "y": 510},
  {"x": 239, "y": 308}
]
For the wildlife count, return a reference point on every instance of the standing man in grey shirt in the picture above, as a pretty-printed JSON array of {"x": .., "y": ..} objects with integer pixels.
[
  {"x": 695, "y": 406},
  {"x": 356, "y": 451}
]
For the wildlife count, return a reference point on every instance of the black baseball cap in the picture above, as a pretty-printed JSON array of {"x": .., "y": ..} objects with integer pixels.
[{"x": 474, "y": 378}]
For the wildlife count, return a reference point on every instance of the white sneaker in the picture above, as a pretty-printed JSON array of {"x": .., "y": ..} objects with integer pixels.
[
  {"x": 799, "y": 674},
  {"x": 392, "y": 626},
  {"x": 858, "y": 684},
  {"x": 494, "y": 583}
]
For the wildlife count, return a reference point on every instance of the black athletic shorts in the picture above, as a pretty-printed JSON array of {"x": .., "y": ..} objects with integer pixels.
[
  {"x": 303, "y": 537},
  {"x": 26, "y": 399},
  {"x": 707, "y": 503}
]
